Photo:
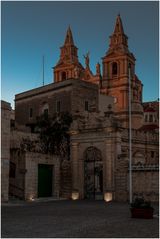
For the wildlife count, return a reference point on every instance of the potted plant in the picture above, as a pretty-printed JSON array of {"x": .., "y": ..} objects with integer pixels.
[{"x": 141, "y": 209}]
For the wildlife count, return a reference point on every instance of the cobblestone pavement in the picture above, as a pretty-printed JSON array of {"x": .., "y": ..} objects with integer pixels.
[{"x": 85, "y": 219}]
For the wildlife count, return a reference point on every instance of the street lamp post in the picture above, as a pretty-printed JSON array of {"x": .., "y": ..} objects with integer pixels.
[{"x": 130, "y": 136}]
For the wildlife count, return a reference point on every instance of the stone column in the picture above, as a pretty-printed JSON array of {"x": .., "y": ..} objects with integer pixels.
[
  {"x": 109, "y": 187},
  {"x": 31, "y": 176},
  {"x": 125, "y": 100},
  {"x": 74, "y": 160},
  {"x": 117, "y": 144},
  {"x": 126, "y": 68},
  {"x": 117, "y": 155},
  {"x": 108, "y": 169},
  {"x": 56, "y": 77},
  {"x": 123, "y": 66}
]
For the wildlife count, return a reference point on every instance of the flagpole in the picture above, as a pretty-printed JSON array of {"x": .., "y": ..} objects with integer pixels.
[
  {"x": 130, "y": 137},
  {"x": 43, "y": 70}
]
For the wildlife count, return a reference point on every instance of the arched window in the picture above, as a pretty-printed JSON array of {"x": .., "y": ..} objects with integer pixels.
[
  {"x": 150, "y": 118},
  {"x": 114, "y": 68},
  {"x": 64, "y": 77},
  {"x": 146, "y": 118}
]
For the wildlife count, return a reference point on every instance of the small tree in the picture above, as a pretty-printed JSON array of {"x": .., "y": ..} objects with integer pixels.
[{"x": 54, "y": 134}]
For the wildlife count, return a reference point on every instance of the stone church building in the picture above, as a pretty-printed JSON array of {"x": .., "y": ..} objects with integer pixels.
[{"x": 98, "y": 167}]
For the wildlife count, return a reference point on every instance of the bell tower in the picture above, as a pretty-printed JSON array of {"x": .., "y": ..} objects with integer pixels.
[
  {"x": 68, "y": 65},
  {"x": 116, "y": 64}
]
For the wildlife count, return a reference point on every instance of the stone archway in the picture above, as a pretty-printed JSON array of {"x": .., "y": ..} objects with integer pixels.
[{"x": 93, "y": 174}]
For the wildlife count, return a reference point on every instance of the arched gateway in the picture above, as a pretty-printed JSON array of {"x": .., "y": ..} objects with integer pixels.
[{"x": 93, "y": 174}]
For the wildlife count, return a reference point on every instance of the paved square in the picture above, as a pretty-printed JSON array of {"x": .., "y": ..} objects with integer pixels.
[{"x": 75, "y": 219}]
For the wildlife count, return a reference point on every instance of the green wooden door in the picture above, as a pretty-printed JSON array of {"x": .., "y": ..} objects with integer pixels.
[{"x": 45, "y": 179}]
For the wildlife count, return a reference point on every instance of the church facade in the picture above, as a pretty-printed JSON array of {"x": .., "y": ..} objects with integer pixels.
[{"x": 98, "y": 167}]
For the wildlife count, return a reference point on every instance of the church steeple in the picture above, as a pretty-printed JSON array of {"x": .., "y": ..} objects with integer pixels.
[
  {"x": 69, "y": 37},
  {"x": 68, "y": 50},
  {"x": 68, "y": 65},
  {"x": 118, "y": 56},
  {"x": 116, "y": 62},
  {"x": 118, "y": 40},
  {"x": 118, "y": 26}
]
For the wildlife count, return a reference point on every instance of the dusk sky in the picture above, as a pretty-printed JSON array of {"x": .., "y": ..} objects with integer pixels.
[{"x": 33, "y": 29}]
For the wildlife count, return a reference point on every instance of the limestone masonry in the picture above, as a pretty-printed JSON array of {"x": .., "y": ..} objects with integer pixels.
[{"x": 98, "y": 166}]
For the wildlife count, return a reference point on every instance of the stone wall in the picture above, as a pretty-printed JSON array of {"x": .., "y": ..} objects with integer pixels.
[
  {"x": 31, "y": 176},
  {"x": 146, "y": 184},
  {"x": 145, "y": 166},
  {"x": 26, "y": 154},
  {"x": 72, "y": 95},
  {"x": 17, "y": 178},
  {"x": 5, "y": 149},
  {"x": 65, "y": 180},
  {"x": 81, "y": 92},
  {"x": 105, "y": 102},
  {"x": 25, "y": 183},
  {"x": 121, "y": 180},
  {"x": 37, "y": 102}
]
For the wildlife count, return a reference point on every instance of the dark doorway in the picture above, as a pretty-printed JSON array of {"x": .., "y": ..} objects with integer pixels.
[
  {"x": 45, "y": 179},
  {"x": 93, "y": 174}
]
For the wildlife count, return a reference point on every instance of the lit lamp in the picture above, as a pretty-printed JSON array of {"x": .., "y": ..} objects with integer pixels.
[
  {"x": 31, "y": 198},
  {"x": 75, "y": 195},
  {"x": 108, "y": 196}
]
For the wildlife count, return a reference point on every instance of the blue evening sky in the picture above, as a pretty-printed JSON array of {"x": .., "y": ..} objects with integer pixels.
[{"x": 33, "y": 29}]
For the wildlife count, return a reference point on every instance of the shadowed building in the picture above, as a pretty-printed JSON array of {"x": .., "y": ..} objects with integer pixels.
[
  {"x": 99, "y": 145},
  {"x": 5, "y": 149}
]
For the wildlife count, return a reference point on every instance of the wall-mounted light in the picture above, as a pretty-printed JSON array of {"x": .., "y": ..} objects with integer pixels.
[
  {"x": 31, "y": 198},
  {"x": 108, "y": 196},
  {"x": 75, "y": 195}
]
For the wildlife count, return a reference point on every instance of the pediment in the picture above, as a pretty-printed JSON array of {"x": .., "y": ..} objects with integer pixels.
[
  {"x": 65, "y": 65},
  {"x": 68, "y": 65}
]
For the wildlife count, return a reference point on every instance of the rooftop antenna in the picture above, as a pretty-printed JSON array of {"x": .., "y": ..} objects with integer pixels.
[{"x": 43, "y": 70}]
